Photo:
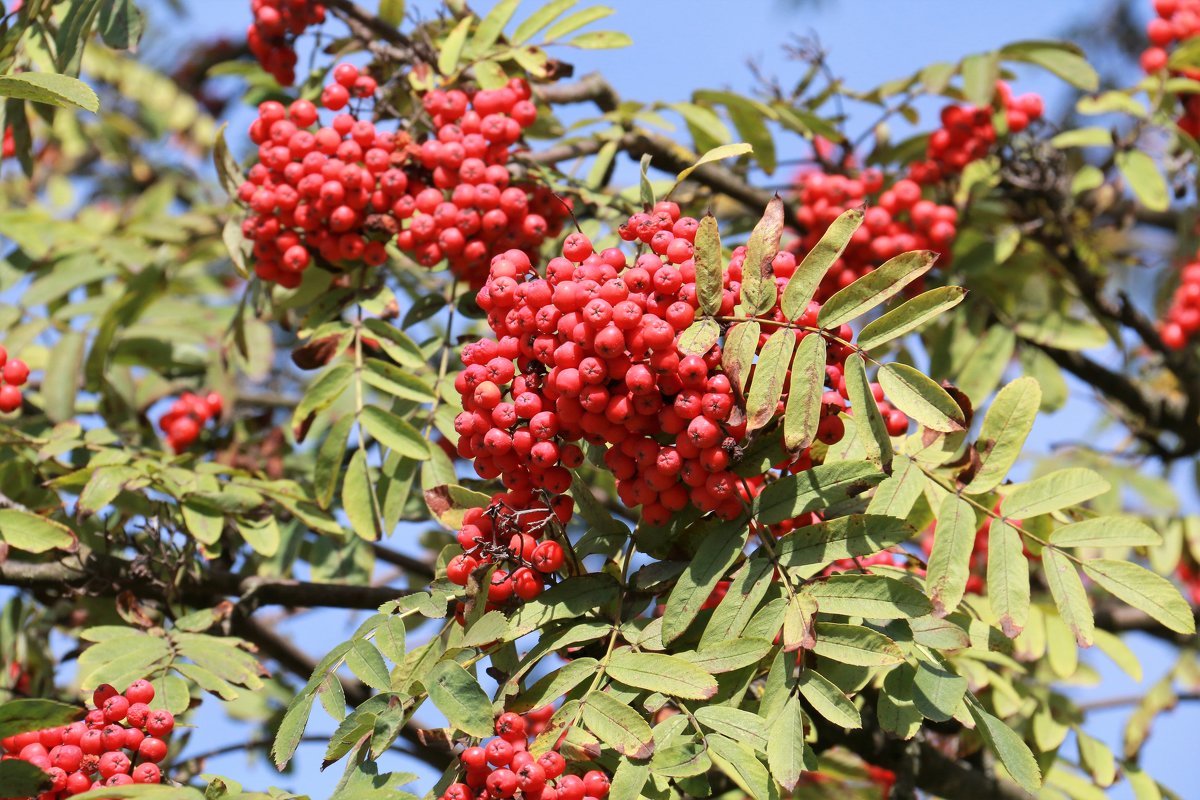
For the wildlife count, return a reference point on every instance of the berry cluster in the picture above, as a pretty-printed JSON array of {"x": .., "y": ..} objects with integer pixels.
[
  {"x": 272, "y": 35},
  {"x": 968, "y": 134},
  {"x": 1177, "y": 21},
  {"x": 1182, "y": 319},
  {"x": 503, "y": 766},
  {"x": 9, "y": 147},
  {"x": 91, "y": 754},
  {"x": 187, "y": 417},
  {"x": 13, "y": 374},
  {"x": 1189, "y": 575},
  {"x": 897, "y": 220},
  {"x": 342, "y": 191},
  {"x": 509, "y": 533},
  {"x": 591, "y": 353}
]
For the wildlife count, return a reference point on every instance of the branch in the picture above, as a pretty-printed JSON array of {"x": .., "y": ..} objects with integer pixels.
[
  {"x": 1119, "y": 618},
  {"x": 379, "y": 37},
  {"x": 666, "y": 155}
]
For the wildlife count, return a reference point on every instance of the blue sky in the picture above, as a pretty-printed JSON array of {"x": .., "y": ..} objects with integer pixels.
[{"x": 683, "y": 45}]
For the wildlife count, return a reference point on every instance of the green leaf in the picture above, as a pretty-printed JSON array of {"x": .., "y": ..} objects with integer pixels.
[
  {"x": 867, "y": 419},
  {"x": 979, "y": 75},
  {"x": 808, "y": 275},
  {"x": 950, "y": 560},
  {"x": 30, "y": 533},
  {"x": 910, "y": 315},
  {"x": 645, "y": 190},
  {"x": 799, "y": 629},
  {"x": 681, "y": 760},
  {"x": 575, "y": 21},
  {"x": 758, "y": 281},
  {"x": 569, "y": 599},
  {"x": 709, "y": 265},
  {"x": 629, "y": 780},
  {"x": 262, "y": 535},
  {"x": 30, "y": 714},
  {"x": 291, "y": 729},
  {"x": 358, "y": 497},
  {"x": 729, "y": 655},
  {"x": 491, "y": 26},
  {"x": 396, "y": 382},
  {"x": 459, "y": 696},
  {"x": 1008, "y": 577},
  {"x": 739, "y": 725},
  {"x": 1058, "y": 490},
  {"x": 1069, "y": 595},
  {"x": 856, "y": 645},
  {"x": 817, "y": 545},
  {"x": 328, "y": 467},
  {"x": 699, "y": 337},
  {"x": 870, "y": 596},
  {"x": 322, "y": 393},
  {"x": 1061, "y": 58},
  {"x": 828, "y": 700},
  {"x": 61, "y": 382},
  {"x": 1083, "y": 137},
  {"x": 875, "y": 287},
  {"x": 718, "y": 551},
  {"x": 716, "y": 154},
  {"x": 392, "y": 11},
  {"x": 19, "y": 777},
  {"x": 769, "y": 374},
  {"x": 741, "y": 343},
  {"x": 51, "y": 89},
  {"x": 367, "y": 664},
  {"x": 1144, "y": 590},
  {"x": 121, "y": 24},
  {"x": 1097, "y": 758},
  {"x": 937, "y": 692},
  {"x": 396, "y": 343},
  {"x": 601, "y": 40},
  {"x": 822, "y": 486},
  {"x": 617, "y": 725},
  {"x": 802, "y": 415},
  {"x": 1009, "y": 747},
  {"x": 1144, "y": 178},
  {"x": 540, "y": 19},
  {"x": 1005, "y": 428},
  {"x": 918, "y": 396},
  {"x": 658, "y": 672},
  {"x": 394, "y": 433},
  {"x": 741, "y": 765},
  {"x": 1109, "y": 531},
  {"x": 554, "y": 685}
]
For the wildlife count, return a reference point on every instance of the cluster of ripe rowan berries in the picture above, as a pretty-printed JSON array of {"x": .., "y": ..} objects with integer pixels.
[
  {"x": 591, "y": 353},
  {"x": 897, "y": 220},
  {"x": 511, "y": 534},
  {"x": 187, "y": 417},
  {"x": 1189, "y": 575},
  {"x": 503, "y": 767},
  {"x": 13, "y": 374},
  {"x": 1177, "y": 21},
  {"x": 92, "y": 753},
  {"x": 1182, "y": 319},
  {"x": 343, "y": 190},
  {"x": 272, "y": 35},
  {"x": 9, "y": 147},
  {"x": 968, "y": 133}
]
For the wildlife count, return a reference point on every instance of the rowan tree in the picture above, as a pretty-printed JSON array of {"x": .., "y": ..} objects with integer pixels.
[{"x": 710, "y": 483}]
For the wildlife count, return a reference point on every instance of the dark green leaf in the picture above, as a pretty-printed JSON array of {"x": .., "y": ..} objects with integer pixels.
[
  {"x": 856, "y": 645},
  {"x": 950, "y": 561},
  {"x": 875, "y": 287},
  {"x": 741, "y": 343},
  {"x": 785, "y": 748},
  {"x": 822, "y": 486},
  {"x": 30, "y": 533},
  {"x": 809, "y": 549},
  {"x": 803, "y": 412},
  {"x": 121, "y": 24},
  {"x": 658, "y": 672},
  {"x": 709, "y": 266},
  {"x": 459, "y": 696},
  {"x": 870, "y": 596},
  {"x": 758, "y": 282},
  {"x": 769, "y": 373},
  {"x": 28, "y": 714},
  {"x": 617, "y": 725},
  {"x": 828, "y": 700},
  {"x": 394, "y": 433},
  {"x": 718, "y": 551},
  {"x": 808, "y": 275},
  {"x": 1008, "y": 746},
  {"x": 50, "y": 88},
  {"x": 910, "y": 315}
]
